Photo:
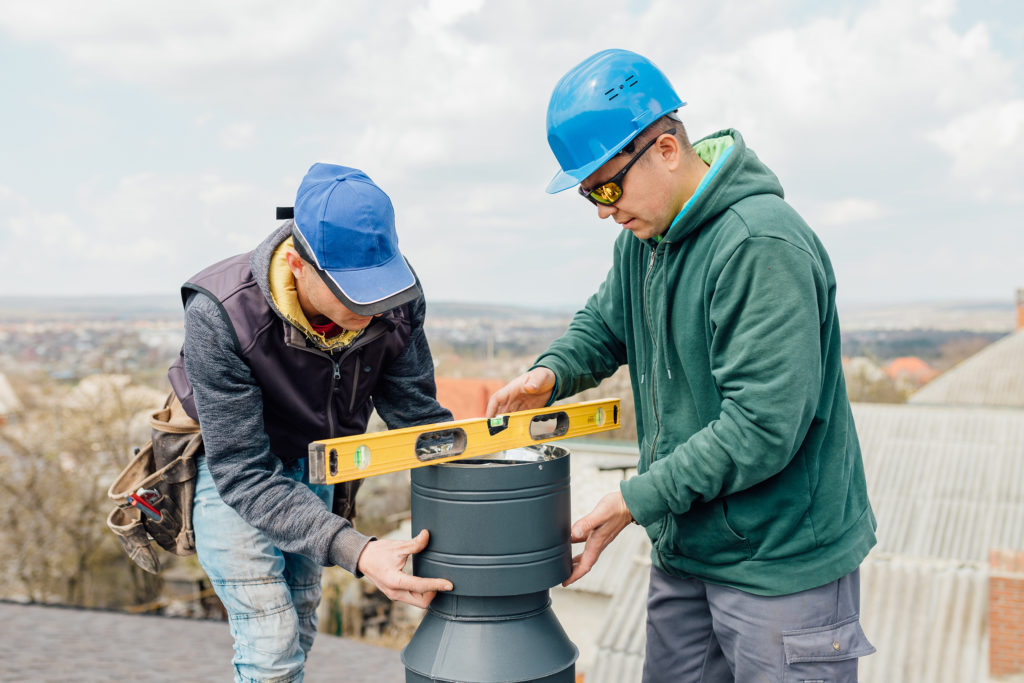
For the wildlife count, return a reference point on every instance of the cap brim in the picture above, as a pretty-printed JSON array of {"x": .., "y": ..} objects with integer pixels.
[
  {"x": 370, "y": 291},
  {"x": 366, "y": 291}
]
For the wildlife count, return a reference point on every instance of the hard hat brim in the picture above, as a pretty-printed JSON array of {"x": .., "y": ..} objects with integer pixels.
[
  {"x": 561, "y": 182},
  {"x": 565, "y": 180}
]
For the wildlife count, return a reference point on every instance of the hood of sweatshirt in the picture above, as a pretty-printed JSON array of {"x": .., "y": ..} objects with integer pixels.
[{"x": 734, "y": 173}]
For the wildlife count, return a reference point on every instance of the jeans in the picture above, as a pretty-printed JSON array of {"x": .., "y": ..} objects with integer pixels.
[
  {"x": 271, "y": 596},
  {"x": 700, "y": 632}
]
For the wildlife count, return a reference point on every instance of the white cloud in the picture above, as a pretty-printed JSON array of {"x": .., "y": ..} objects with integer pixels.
[
  {"x": 134, "y": 41},
  {"x": 961, "y": 271},
  {"x": 838, "y": 84},
  {"x": 846, "y": 212},
  {"x": 440, "y": 13},
  {"x": 983, "y": 145},
  {"x": 34, "y": 230},
  {"x": 145, "y": 235},
  {"x": 238, "y": 135},
  {"x": 878, "y": 116}
]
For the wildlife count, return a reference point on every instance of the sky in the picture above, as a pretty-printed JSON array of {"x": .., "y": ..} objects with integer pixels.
[{"x": 141, "y": 142}]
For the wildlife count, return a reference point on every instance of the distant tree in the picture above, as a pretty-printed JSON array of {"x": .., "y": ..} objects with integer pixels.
[
  {"x": 866, "y": 382},
  {"x": 58, "y": 459}
]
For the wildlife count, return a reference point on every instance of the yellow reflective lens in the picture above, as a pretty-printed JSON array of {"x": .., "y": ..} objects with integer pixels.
[{"x": 608, "y": 193}]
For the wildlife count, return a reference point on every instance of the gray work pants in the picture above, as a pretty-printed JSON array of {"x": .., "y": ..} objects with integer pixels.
[{"x": 700, "y": 632}]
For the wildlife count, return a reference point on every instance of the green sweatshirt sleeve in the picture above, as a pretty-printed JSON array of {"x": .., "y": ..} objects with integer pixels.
[
  {"x": 765, "y": 350},
  {"x": 593, "y": 346}
]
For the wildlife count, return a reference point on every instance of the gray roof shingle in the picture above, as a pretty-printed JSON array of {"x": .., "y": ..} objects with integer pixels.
[{"x": 41, "y": 644}]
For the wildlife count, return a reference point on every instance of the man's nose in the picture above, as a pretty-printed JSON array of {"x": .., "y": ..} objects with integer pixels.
[{"x": 603, "y": 211}]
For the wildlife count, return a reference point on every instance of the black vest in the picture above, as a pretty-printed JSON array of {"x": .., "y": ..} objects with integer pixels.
[{"x": 308, "y": 393}]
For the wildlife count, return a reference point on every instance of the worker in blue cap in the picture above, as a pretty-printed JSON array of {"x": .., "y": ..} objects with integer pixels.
[
  {"x": 721, "y": 301},
  {"x": 299, "y": 340}
]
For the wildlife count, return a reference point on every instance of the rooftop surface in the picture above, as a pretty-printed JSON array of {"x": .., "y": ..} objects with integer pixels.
[
  {"x": 46, "y": 644},
  {"x": 992, "y": 377}
]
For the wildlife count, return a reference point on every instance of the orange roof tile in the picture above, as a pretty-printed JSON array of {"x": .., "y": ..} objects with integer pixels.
[
  {"x": 466, "y": 397},
  {"x": 910, "y": 366}
]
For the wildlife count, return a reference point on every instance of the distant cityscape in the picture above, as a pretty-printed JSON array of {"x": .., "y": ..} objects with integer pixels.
[
  {"x": 70, "y": 338},
  {"x": 968, "y": 316},
  {"x": 977, "y": 316}
]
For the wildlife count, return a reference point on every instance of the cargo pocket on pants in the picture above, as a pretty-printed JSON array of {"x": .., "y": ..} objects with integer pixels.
[{"x": 825, "y": 654}]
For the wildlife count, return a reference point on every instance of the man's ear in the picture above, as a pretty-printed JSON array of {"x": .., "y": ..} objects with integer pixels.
[
  {"x": 669, "y": 151},
  {"x": 295, "y": 263}
]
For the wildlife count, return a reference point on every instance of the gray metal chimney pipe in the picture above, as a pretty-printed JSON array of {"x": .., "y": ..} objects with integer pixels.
[{"x": 499, "y": 531}]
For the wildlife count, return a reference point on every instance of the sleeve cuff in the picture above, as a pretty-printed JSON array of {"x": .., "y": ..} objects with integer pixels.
[
  {"x": 346, "y": 547},
  {"x": 554, "y": 389},
  {"x": 638, "y": 495}
]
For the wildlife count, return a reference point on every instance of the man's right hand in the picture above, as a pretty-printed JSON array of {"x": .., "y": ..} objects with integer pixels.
[
  {"x": 597, "y": 529},
  {"x": 530, "y": 390},
  {"x": 382, "y": 561}
]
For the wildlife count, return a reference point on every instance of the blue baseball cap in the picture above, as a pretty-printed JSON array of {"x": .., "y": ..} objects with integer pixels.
[{"x": 345, "y": 227}]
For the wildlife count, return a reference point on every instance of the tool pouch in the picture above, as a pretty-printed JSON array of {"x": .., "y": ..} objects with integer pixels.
[
  {"x": 126, "y": 523},
  {"x": 345, "y": 499},
  {"x": 154, "y": 492}
]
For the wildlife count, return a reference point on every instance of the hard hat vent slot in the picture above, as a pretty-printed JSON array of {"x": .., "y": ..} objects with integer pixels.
[{"x": 612, "y": 93}]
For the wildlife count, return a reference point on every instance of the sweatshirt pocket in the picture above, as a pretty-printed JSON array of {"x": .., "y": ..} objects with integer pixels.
[{"x": 704, "y": 534}]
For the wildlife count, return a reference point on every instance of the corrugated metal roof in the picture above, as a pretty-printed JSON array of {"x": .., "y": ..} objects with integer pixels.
[
  {"x": 947, "y": 485},
  {"x": 589, "y": 484},
  {"x": 944, "y": 482},
  {"x": 616, "y": 562},
  {"x": 927, "y": 618},
  {"x": 992, "y": 377},
  {"x": 620, "y": 646}
]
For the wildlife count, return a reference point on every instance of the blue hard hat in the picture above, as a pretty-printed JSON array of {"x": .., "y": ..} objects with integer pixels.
[{"x": 599, "y": 106}]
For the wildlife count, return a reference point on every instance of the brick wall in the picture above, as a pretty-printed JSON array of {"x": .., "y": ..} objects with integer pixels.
[
  {"x": 1006, "y": 612},
  {"x": 1020, "y": 309}
]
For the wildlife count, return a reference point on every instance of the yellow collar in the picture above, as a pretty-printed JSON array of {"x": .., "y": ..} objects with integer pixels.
[{"x": 286, "y": 298}]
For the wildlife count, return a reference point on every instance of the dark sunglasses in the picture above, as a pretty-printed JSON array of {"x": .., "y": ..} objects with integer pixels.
[{"x": 610, "y": 191}]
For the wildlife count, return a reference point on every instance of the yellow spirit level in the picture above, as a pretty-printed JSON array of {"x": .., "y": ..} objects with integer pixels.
[{"x": 332, "y": 461}]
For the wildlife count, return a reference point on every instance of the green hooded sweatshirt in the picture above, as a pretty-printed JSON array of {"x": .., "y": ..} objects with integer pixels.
[{"x": 750, "y": 471}]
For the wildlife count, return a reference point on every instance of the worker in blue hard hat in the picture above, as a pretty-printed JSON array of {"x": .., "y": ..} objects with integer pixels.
[{"x": 721, "y": 300}]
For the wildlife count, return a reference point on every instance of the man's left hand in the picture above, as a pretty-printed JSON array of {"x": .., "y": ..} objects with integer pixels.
[
  {"x": 382, "y": 562},
  {"x": 598, "y": 529}
]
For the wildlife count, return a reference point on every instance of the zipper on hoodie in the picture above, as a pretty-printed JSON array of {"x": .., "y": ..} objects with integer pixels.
[
  {"x": 654, "y": 400},
  {"x": 654, "y": 347}
]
